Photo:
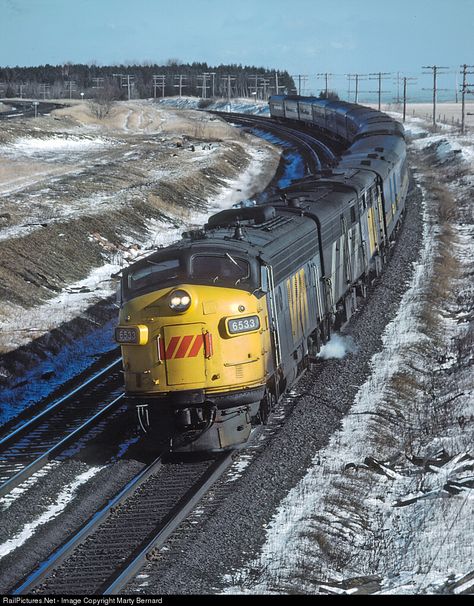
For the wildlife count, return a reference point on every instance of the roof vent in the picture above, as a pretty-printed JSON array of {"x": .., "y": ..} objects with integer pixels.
[
  {"x": 194, "y": 234},
  {"x": 232, "y": 216}
]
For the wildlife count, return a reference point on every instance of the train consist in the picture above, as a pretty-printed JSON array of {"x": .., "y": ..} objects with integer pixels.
[{"x": 216, "y": 327}]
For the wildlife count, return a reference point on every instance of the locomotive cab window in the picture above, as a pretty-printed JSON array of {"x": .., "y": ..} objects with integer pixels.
[
  {"x": 153, "y": 273},
  {"x": 220, "y": 269}
]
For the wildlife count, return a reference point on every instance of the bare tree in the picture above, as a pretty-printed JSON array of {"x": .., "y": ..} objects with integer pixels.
[{"x": 103, "y": 100}]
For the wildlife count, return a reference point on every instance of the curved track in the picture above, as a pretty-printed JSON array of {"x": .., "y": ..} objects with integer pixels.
[{"x": 317, "y": 154}]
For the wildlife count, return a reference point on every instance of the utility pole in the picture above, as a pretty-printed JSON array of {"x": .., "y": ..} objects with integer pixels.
[
  {"x": 398, "y": 88},
  {"x": 228, "y": 79},
  {"x": 70, "y": 85},
  {"x": 159, "y": 80},
  {"x": 180, "y": 85},
  {"x": 379, "y": 90},
  {"x": 357, "y": 78},
  {"x": 405, "y": 82},
  {"x": 302, "y": 78},
  {"x": 277, "y": 84},
  {"x": 264, "y": 83},
  {"x": 325, "y": 75},
  {"x": 203, "y": 85},
  {"x": 213, "y": 74},
  {"x": 44, "y": 88},
  {"x": 126, "y": 81},
  {"x": 254, "y": 86},
  {"x": 464, "y": 91},
  {"x": 435, "y": 69},
  {"x": 98, "y": 82}
]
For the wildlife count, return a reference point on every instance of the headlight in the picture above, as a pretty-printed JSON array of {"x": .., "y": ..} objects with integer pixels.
[{"x": 180, "y": 300}]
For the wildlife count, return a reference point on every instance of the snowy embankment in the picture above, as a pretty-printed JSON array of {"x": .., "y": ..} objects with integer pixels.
[
  {"x": 102, "y": 281},
  {"x": 387, "y": 506},
  {"x": 80, "y": 198},
  {"x": 239, "y": 106}
]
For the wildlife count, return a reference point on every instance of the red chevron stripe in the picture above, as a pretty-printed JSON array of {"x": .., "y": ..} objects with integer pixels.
[
  {"x": 184, "y": 346},
  {"x": 171, "y": 347},
  {"x": 197, "y": 345}
]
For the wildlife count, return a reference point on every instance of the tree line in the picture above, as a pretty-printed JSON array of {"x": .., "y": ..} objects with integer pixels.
[{"x": 143, "y": 81}]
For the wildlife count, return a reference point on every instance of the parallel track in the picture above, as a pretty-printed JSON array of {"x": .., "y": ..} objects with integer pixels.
[
  {"x": 106, "y": 553},
  {"x": 30, "y": 446}
]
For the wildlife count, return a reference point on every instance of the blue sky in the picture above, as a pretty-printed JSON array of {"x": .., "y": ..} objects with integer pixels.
[{"x": 301, "y": 36}]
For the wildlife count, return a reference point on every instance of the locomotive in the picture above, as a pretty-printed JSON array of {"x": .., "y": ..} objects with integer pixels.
[{"x": 215, "y": 327}]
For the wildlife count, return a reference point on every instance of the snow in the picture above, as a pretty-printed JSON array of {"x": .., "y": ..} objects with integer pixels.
[
  {"x": 241, "y": 106},
  {"x": 54, "y": 148},
  {"x": 64, "y": 497}
]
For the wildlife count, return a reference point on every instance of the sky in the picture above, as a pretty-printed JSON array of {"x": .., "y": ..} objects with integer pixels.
[{"x": 300, "y": 36}]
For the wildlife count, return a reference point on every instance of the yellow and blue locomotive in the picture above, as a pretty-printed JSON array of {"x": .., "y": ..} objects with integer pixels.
[{"x": 215, "y": 327}]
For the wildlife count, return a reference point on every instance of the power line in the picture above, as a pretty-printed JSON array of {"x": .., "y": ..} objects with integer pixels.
[
  {"x": 302, "y": 79},
  {"x": 380, "y": 77},
  {"x": 435, "y": 69},
  {"x": 464, "y": 91},
  {"x": 355, "y": 78},
  {"x": 326, "y": 76},
  {"x": 406, "y": 81}
]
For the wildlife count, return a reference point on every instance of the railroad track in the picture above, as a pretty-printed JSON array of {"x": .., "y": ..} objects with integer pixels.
[
  {"x": 31, "y": 445},
  {"x": 317, "y": 153},
  {"x": 106, "y": 553}
]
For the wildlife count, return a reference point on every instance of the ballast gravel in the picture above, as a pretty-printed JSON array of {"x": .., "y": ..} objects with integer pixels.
[{"x": 230, "y": 530}]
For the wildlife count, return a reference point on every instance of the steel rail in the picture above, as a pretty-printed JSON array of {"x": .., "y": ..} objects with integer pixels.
[
  {"x": 41, "y": 461},
  {"x": 27, "y": 425},
  {"x": 311, "y": 139},
  {"x": 286, "y": 132},
  {"x": 182, "y": 510},
  {"x": 58, "y": 556},
  {"x": 129, "y": 567},
  {"x": 295, "y": 133}
]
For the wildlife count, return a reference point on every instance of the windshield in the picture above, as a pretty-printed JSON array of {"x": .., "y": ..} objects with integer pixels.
[
  {"x": 220, "y": 269},
  {"x": 153, "y": 273}
]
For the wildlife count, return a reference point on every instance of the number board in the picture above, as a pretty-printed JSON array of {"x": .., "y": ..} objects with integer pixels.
[{"x": 237, "y": 326}]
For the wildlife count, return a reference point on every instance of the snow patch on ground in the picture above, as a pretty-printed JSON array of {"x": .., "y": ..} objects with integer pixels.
[
  {"x": 64, "y": 497},
  {"x": 240, "y": 106},
  {"x": 49, "y": 148}
]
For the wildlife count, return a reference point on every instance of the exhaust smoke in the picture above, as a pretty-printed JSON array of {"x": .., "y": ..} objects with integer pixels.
[{"x": 337, "y": 347}]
